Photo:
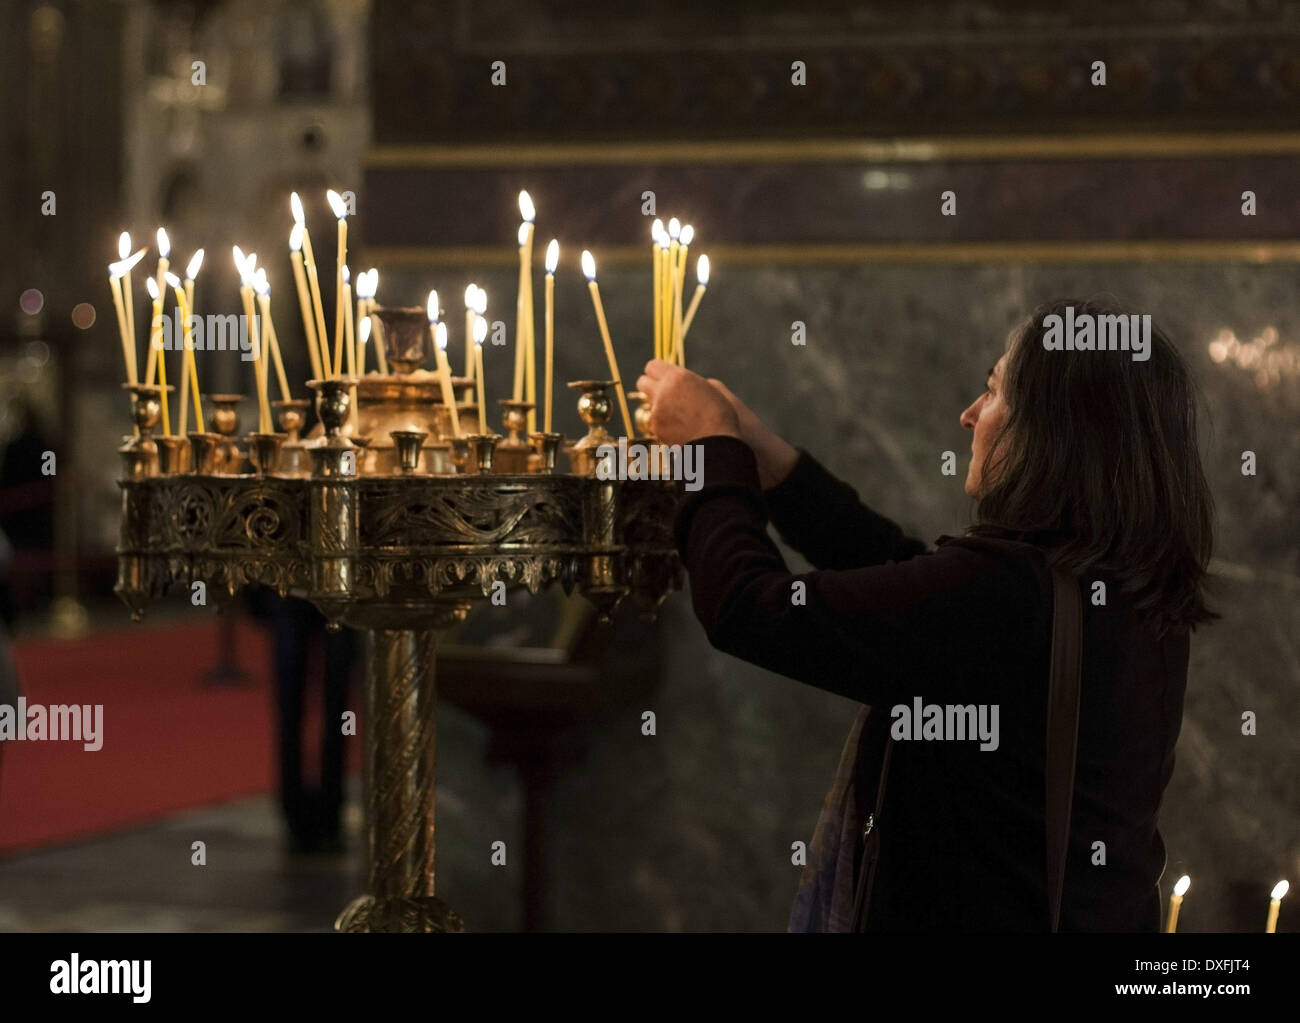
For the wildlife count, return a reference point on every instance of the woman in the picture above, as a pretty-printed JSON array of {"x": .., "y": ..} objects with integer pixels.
[{"x": 1083, "y": 459}]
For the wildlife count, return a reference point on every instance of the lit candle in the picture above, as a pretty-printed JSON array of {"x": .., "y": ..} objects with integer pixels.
[
  {"x": 665, "y": 297},
  {"x": 589, "y": 268},
  {"x": 1176, "y": 901},
  {"x": 656, "y": 229},
  {"x": 1275, "y": 904},
  {"x": 244, "y": 265},
  {"x": 164, "y": 250},
  {"x": 670, "y": 285},
  {"x": 470, "y": 303},
  {"x": 263, "y": 402},
  {"x": 521, "y": 326},
  {"x": 701, "y": 282},
  {"x": 116, "y": 272},
  {"x": 155, "y": 338},
  {"x": 552, "y": 261},
  {"x": 480, "y": 332},
  {"x": 191, "y": 273},
  {"x": 123, "y": 255},
  {"x": 527, "y": 211},
  {"x": 313, "y": 280},
  {"x": 341, "y": 211},
  {"x": 263, "y": 288},
  {"x": 349, "y": 327},
  {"x": 365, "y": 292},
  {"x": 381, "y": 356},
  {"x": 187, "y": 353},
  {"x": 439, "y": 332},
  {"x": 304, "y": 302},
  {"x": 679, "y": 281}
]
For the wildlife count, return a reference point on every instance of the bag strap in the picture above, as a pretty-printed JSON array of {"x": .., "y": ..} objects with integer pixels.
[{"x": 1062, "y": 730}]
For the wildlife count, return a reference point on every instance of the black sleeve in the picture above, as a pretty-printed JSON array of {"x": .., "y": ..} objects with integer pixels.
[
  {"x": 822, "y": 518},
  {"x": 871, "y": 634}
]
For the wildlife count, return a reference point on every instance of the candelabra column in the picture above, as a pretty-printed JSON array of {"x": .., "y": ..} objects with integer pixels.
[{"x": 401, "y": 756}]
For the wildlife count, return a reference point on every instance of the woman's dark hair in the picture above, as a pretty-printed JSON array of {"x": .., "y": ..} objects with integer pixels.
[{"x": 1098, "y": 456}]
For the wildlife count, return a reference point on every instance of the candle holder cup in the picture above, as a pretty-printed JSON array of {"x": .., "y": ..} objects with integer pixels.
[
  {"x": 204, "y": 449},
  {"x": 594, "y": 407},
  {"x": 513, "y": 450},
  {"x": 140, "y": 454},
  {"x": 333, "y": 402},
  {"x": 483, "y": 445},
  {"x": 408, "y": 444},
  {"x": 264, "y": 452},
  {"x": 545, "y": 448},
  {"x": 224, "y": 422},
  {"x": 173, "y": 455}
]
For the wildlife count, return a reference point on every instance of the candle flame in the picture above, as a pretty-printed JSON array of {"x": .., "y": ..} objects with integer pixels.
[
  {"x": 523, "y": 234},
  {"x": 1280, "y": 889},
  {"x": 480, "y": 331},
  {"x": 480, "y": 301},
  {"x": 239, "y": 258},
  {"x": 589, "y": 265},
  {"x": 526, "y": 208},
  {"x": 702, "y": 270},
  {"x": 295, "y": 204},
  {"x": 440, "y": 335},
  {"x": 196, "y": 261},
  {"x": 171, "y": 279},
  {"x": 368, "y": 283},
  {"x": 152, "y": 287},
  {"x": 469, "y": 296},
  {"x": 123, "y": 266},
  {"x": 552, "y": 256},
  {"x": 1184, "y": 882},
  {"x": 124, "y": 245},
  {"x": 295, "y": 238},
  {"x": 688, "y": 234},
  {"x": 260, "y": 284},
  {"x": 363, "y": 330},
  {"x": 656, "y": 228},
  {"x": 674, "y": 228},
  {"x": 337, "y": 204},
  {"x": 164, "y": 246},
  {"x": 664, "y": 240},
  {"x": 432, "y": 307},
  {"x": 346, "y": 274}
]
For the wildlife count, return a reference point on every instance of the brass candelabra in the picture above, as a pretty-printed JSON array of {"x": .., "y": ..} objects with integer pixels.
[{"x": 393, "y": 521}]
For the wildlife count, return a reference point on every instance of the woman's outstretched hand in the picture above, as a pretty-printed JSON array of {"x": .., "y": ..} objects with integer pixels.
[{"x": 687, "y": 407}]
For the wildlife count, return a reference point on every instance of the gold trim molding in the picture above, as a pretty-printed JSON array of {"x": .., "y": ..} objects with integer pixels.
[
  {"x": 1079, "y": 146},
  {"x": 881, "y": 253}
]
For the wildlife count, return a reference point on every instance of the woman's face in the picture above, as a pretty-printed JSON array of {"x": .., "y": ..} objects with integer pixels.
[{"x": 984, "y": 419}]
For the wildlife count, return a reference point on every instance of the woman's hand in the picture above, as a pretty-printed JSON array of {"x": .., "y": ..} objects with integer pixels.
[
  {"x": 775, "y": 457},
  {"x": 685, "y": 407}
]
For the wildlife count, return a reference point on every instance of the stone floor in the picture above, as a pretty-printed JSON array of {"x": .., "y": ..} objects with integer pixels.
[{"x": 143, "y": 880}]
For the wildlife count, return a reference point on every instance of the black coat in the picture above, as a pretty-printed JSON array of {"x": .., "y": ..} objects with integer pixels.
[{"x": 883, "y": 622}]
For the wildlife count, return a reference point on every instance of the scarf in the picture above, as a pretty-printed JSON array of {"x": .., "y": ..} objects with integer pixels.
[{"x": 824, "y": 901}]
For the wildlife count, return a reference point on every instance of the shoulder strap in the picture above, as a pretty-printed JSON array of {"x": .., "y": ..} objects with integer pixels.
[{"x": 1062, "y": 729}]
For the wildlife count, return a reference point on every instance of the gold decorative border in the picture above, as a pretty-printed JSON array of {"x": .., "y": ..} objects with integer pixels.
[
  {"x": 1090, "y": 146},
  {"x": 1191, "y": 251}
]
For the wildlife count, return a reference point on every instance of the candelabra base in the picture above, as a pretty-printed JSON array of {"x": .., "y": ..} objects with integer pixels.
[{"x": 369, "y": 914}]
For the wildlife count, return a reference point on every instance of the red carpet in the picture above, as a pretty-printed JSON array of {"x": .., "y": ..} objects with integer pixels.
[{"x": 169, "y": 742}]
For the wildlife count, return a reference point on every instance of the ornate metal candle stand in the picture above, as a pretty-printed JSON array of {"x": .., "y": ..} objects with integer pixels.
[{"x": 399, "y": 546}]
